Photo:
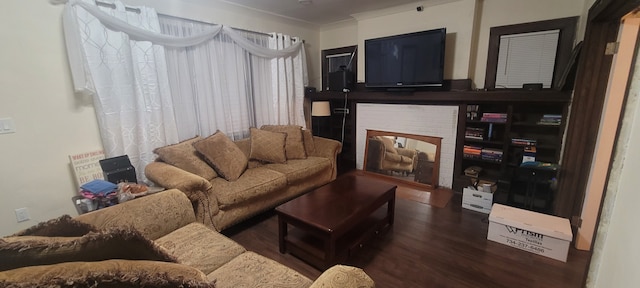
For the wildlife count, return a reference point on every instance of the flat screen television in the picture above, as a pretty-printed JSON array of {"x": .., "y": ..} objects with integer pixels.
[{"x": 407, "y": 60}]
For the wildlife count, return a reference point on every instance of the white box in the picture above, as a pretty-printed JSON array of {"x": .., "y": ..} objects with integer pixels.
[
  {"x": 479, "y": 201},
  {"x": 534, "y": 232}
]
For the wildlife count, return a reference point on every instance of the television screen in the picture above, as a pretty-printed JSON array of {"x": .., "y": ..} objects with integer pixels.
[{"x": 407, "y": 60}]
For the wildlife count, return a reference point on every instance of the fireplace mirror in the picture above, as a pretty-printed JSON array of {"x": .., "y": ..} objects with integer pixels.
[{"x": 413, "y": 159}]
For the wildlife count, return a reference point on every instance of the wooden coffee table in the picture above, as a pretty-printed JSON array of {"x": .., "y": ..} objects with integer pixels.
[{"x": 334, "y": 221}]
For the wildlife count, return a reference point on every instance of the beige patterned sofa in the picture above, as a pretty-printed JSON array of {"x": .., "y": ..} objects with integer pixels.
[
  {"x": 228, "y": 182},
  {"x": 192, "y": 254}
]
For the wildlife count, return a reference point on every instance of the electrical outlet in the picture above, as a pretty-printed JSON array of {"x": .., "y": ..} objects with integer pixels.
[
  {"x": 7, "y": 126},
  {"x": 22, "y": 214}
]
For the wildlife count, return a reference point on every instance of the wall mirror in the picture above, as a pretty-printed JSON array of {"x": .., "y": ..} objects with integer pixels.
[
  {"x": 412, "y": 159},
  {"x": 535, "y": 52}
]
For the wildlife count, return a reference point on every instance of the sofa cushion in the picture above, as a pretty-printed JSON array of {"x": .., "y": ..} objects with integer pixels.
[
  {"x": 253, "y": 270},
  {"x": 200, "y": 247},
  {"x": 253, "y": 183},
  {"x": 268, "y": 146},
  {"x": 116, "y": 243},
  {"x": 223, "y": 155},
  {"x": 301, "y": 169},
  {"x": 63, "y": 226},
  {"x": 109, "y": 273},
  {"x": 184, "y": 156},
  {"x": 294, "y": 143},
  {"x": 397, "y": 158},
  {"x": 309, "y": 144}
]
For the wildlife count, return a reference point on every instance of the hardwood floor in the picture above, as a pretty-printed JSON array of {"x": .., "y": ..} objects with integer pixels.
[{"x": 431, "y": 247}]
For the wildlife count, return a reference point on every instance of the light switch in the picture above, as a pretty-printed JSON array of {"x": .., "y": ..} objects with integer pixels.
[{"x": 7, "y": 126}]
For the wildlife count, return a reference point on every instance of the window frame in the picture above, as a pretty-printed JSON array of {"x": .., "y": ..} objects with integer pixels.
[{"x": 567, "y": 27}]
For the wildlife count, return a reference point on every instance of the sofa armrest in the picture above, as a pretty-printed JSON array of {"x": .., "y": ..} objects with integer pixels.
[
  {"x": 411, "y": 153},
  {"x": 171, "y": 177},
  {"x": 343, "y": 276},
  {"x": 154, "y": 215},
  {"x": 328, "y": 148},
  {"x": 197, "y": 189}
]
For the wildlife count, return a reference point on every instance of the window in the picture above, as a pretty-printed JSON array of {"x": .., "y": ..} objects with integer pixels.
[{"x": 527, "y": 58}]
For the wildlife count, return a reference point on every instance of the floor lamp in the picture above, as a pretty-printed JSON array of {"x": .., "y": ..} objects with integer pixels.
[{"x": 320, "y": 109}]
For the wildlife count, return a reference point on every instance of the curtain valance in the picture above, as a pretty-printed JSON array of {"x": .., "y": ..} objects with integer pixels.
[{"x": 167, "y": 41}]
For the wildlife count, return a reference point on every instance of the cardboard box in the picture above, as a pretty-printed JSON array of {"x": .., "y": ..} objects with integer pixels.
[
  {"x": 534, "y": 232},
  {"x": 475, "y": 200}
]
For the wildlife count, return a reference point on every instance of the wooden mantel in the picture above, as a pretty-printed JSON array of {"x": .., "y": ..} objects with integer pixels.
[{"x": 445, "y": 97}]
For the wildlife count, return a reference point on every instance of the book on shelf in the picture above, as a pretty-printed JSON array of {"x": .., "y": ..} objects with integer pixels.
[
  {"x": 523, "y": 141},
  {"x": 494, "y": 117},
  {"x": 472, "y": 152},
  {"x": 474, "y": 133},
  {"x": 529, "y": 154},
  {"x": 550, "y": 119},
  {"x": 491, "y": 154}
]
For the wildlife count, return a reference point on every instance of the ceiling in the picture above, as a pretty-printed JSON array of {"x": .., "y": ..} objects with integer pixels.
[{"x": 319, "y": 12}]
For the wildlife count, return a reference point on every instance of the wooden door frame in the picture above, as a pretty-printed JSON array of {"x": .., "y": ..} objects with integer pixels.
[{"x": 592, "y": 79}]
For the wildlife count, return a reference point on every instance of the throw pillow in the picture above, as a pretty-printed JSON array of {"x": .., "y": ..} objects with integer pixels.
[
  {"x": 115, "y": 243},
  {"x": 108, "y": 273},
  {"x": 309, "y": 145},
  {"x": 63, "y": 226},
  {"x": 294, "y": 144},
  {"x": 223, "y": 155},
  {"x": 268, "y": 146},
  {"x": 184, "y": 156}
]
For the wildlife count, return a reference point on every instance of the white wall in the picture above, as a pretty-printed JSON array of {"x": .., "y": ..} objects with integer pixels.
[
  {"x": 36, "y": 91},
  {"x": 467, "y": 22}
]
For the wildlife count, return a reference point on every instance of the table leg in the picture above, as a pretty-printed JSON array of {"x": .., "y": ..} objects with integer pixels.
[
  {"x": 330, "y": 251},
  {"x": 391, "y": 208},
  {"x": 282, "y": 233}
]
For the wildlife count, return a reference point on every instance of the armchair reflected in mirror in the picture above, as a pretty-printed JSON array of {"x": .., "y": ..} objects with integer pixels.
[{"x": 413, "y": 159}]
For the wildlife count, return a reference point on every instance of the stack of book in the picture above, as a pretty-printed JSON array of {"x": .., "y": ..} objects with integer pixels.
[
  {"x": 550, "y": 119},
  {"x": 474, "y": 133},
  {"x": 523, "y": 142},
  {"x": 494, "y": 117},
  {"x": 529, "y": 154},
  {"x": 494, "y": 155},
  {"x": 472, "y": 152}
]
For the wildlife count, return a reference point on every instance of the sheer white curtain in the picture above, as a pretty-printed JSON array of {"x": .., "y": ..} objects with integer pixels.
[
  {"x": 221, "y": 85},
  {"x": 212, "y": 83},
  {"x": 129, "y": 85},
  {"x": 289, "y": 76}
]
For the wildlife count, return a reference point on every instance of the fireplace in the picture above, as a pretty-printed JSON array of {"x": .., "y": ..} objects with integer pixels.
[{"x": 428, "y": 120}]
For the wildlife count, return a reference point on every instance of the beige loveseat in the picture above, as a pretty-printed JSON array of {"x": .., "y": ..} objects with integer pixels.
[
  {"x": 306, "y": 162},
  {"x": 195, "y": 255}
]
